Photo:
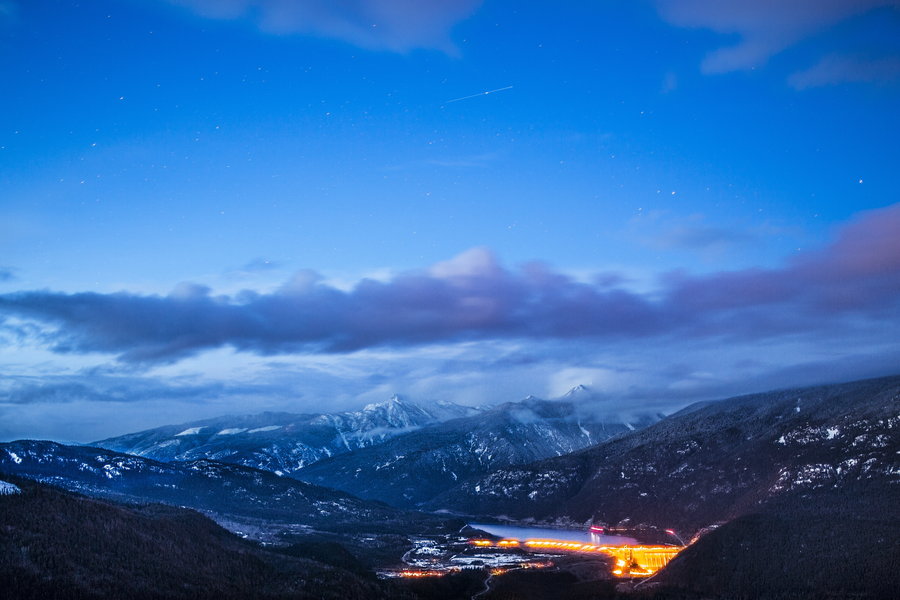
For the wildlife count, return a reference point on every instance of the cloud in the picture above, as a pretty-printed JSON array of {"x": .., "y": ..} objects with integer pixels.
[
  {"x": 47, "y": 391},
  {"x": 836, "y": 69},
  {"x": 87, "y": 406},
  {"x": 260, "y": 264},
  {"x": 96, "y": 386},
  {"x": 697, "y": 236},
  {"x": 8, "y": 9},
  {"x": 764, "y": 27},
  {"x": 254, "y": 268},
  {"x": 462, "y": 162},
  {"x": 669, "y": 83},
  {"x": 396, "y": 25},
  {"x": 858, "y": 273},
  {"x": 474, "y": 297}
]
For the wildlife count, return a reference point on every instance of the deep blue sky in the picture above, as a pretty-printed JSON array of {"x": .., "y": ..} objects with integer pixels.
[{"x": 709, "y": 188}]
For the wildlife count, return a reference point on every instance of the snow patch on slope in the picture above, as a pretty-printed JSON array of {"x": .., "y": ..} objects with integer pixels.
[
  {"x": 8, "y": 489},
  {"x": 232, "y": 431},
  {"x": 190, "y": 431},
  {"x": 266, "y": 428}
]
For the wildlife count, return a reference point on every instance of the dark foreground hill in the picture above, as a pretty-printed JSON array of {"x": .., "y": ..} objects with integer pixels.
[
  {"x": 59, "y": 545},
  {"x": 824, "y": 544}
]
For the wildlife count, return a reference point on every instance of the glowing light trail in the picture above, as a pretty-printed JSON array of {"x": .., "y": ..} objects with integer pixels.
[{"x": 509, "y": 87}]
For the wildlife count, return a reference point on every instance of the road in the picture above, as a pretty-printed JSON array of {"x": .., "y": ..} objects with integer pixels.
[{"x": 487, "y": 586}]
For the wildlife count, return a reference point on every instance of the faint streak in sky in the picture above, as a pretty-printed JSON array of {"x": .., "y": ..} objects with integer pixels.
[{"x": 509, "y": 87}]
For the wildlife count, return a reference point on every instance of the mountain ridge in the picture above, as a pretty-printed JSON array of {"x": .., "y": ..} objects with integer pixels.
[
  {"x": 279, "y": 441},
  {"x": 232, "y": 493},
  {"x": 413, "y": 467},
  {"x": 709, "y": 464}
]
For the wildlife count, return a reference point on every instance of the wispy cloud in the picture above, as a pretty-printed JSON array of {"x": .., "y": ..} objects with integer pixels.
[
  {"x": 49, "y": 390},
  {"x": 8, "y": 10},
  {"x": 764, "y": 27},
  {"x": 395, "y": 25},
  {"x": 694, "y": 233},
  {"x": 474, "y": 297},
  {"x": 697, "y": 236},
  {"x": 475, "y": 160},
  {"x": 254, "y": 267},
  {"x": 836, "y": 69}
]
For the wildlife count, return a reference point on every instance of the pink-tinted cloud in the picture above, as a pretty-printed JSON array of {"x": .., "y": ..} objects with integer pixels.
[
  {"x": 396, "y": 25},
  {"x": 473, "y": 297},
  {"x": 764, "y": 27},
  {"x": 858, "y": 273}
]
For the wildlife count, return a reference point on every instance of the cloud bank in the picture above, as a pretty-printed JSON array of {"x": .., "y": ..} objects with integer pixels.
[
  {"x": 396, "y": 25},
  {"x": 855, "y": 280}
]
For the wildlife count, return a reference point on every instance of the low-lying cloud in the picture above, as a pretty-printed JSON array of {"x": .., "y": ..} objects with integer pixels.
[{"x": 854, "y": 280}]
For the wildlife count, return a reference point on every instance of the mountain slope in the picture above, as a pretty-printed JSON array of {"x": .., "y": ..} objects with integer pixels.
[
  {"x": 228, "y": 491},
  {"x": 414, "y": 467},
  {"x": 60, "y": 545},
  {"x": 710, "y": 463},
  {"x": 282, "y": 442}
]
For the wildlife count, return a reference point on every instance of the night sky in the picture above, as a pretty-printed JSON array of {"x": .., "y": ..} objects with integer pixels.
[{"x": 230, "y": 206}]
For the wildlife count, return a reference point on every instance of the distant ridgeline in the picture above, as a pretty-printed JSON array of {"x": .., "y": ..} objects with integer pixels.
[
  {"x": 283, "y": 442},
  {"x": 396, "y": 451}
]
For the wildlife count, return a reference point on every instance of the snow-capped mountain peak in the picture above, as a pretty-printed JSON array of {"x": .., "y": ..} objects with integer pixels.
[
  {"x": 413, "y": 467},
  {"x": 393, "y": 401},
  {"x": 284, "y": 442},
  {"x": 578, "y": 392}
]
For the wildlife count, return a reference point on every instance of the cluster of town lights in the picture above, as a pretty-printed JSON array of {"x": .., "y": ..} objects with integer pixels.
[
  {"x": 425, "y": 573},
  {"x": 628, "y": 558},
  {"x": 416, "y": 573}
]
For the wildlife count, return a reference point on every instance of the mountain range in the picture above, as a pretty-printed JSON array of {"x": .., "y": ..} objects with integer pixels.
[
  {"x": 283, "y": 442},
  {"x": 709, "y": 463},
  {"x": 771, "y": 486},
  {"x": 396, "y": 451},
  {"x": 243, "y": 497},
  {"x": 410, "y": 469}
]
